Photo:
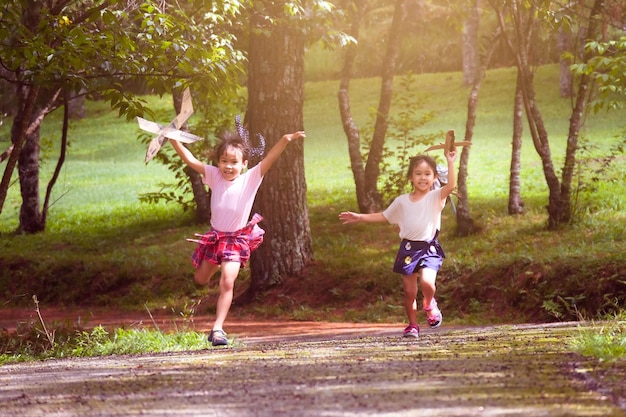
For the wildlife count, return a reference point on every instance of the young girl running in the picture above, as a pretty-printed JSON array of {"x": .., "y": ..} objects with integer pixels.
[
  {"x": 232, "y": 236},
  {"x": 418, "y": 214}
]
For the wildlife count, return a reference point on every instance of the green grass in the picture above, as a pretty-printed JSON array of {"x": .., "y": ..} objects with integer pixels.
[
  {"x": 29, "y": 342},
  {"x": 606, "y": 343},
  {"x": 103, "y": 246}
]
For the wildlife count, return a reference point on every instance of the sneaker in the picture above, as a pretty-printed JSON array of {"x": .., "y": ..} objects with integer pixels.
[
  {"x": 412, "y": 331},
  {"x": 433, "y": 315},
  {"x": 218, "y": 338}
]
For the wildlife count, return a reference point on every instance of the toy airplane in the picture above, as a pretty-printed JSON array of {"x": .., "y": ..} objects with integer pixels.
[
  {"x": 450, "y": 144},
  {"x": 172, "y": 130}
]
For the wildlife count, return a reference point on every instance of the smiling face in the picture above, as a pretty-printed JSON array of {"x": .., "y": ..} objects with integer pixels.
[
  {"x": 422, "y": 177},
  {"x": 422, "y": 173},
  {"x": 231, "y": 163}
]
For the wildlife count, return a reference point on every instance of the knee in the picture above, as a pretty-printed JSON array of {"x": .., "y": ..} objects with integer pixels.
[{"x": 200, "y": 278}]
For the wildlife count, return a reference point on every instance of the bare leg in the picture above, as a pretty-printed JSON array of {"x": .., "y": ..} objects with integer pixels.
[
  {"x": 427, "y": 285},
  {"x": 409, "y": 283},
  {"x": 205, "y": 271},
  {"x": 230, "y": 271}
]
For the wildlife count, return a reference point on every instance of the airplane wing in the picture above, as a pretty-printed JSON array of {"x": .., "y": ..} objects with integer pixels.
[
  {"x": 450, "y": 144},
  {"x": 167, "y": 131},
  {"x": 443, "y": 145},
  {"x": 186, "y": 110}
]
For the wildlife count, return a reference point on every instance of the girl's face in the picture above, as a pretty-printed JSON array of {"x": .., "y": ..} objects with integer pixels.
[
  {"x": 422, "y": 177},
  {"x": 231, "y": 163}
]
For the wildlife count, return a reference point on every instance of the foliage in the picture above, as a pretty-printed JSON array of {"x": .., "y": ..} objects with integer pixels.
[
  {"x": 104, "y": 248},
  {"x": 606, "y": 342},
  {"x": 404, "y": 139},
  {"x": 26, "y": 343},
  {"x": 607, "y": 67}
]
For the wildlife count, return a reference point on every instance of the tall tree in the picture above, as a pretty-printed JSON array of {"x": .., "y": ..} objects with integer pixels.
[
  {"x": 524, "y": 17},
  {"x": 465, "y": 224},
  {"x": 471, "y": 50},
  {"x": 366, "y": 176},
  {"x": 54, "y": 48},
  {"x": 275, "y": 107}
]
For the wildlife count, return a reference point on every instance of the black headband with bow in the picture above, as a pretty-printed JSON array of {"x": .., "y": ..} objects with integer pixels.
[{"x": 256, "y": 153}]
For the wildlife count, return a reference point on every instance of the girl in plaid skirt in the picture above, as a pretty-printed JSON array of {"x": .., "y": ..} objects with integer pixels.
[{"x": 227, "y": 246}]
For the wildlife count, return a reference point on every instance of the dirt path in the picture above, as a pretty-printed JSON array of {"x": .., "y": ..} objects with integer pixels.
[{"x": 330, "y": 369}]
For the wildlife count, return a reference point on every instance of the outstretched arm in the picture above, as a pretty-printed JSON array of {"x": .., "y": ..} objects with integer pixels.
[
  {"x": 277, "y": 149},
  {"x": 188, "y": 157},
  {"x": 447, "y": 189},
  {"x": 351, "y": 217}
]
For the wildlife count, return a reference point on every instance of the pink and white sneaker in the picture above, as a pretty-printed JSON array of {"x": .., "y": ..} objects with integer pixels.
[
  {"x": 412, "y": 331},
  {"x": 433, "y": 315}
]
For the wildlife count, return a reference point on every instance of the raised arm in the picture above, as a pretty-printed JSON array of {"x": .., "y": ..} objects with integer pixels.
[
  {"x": 188, "y": 157},
  {"x": 351, "y": 217},
  {"x": 447, "y": 189},
  {"x": 277, "y": 149}
]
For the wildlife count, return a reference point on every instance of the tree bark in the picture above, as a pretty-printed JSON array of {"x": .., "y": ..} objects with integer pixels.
[
  {"x": 471, "y": 55},
  {"x": 201, "y": 195},
  {"x": 275, "y": 107},
  {"x": 576, "y": 120},
  {"x": 349, "y": 126},
  {"x": 369, "y": 198},
  {"x": 465, "y": 224},
  {"x": 516, "y": 205},
  {"x": 524, "y": 25},
  {"x": 566, "y": 78}
]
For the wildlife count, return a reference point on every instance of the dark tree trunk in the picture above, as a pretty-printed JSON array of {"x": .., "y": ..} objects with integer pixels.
[
  {"x": 516, "y": 205},
  {"x": 201, "y": 195},
  {"x": 275, "y": 107},
  {"x": 31, "y": 219}
]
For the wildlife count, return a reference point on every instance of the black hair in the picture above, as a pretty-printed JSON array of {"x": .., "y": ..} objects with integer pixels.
[
  {"x": 415, "y": 160},
  {"x": 230, "y": 139}
]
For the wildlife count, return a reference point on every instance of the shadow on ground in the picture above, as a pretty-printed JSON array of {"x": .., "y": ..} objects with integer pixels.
[{"x": 336, "y": 370}]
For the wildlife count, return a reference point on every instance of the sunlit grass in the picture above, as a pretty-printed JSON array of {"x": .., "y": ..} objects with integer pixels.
[
  {"x": 133, "y": 253},
  {"x": 606, "y": 342}
]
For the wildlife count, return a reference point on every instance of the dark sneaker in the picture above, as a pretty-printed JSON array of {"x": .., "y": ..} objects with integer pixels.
[
  {"x": 433, "y": 315},
  {"x": 218, "y": 338},
  {"x": 412, "y": 331}
]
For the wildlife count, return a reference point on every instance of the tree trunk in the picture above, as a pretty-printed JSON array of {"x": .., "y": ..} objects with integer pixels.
[
  {"x": 275, "y": 107},
  {"x": 465, "y": 224},
  {"x": 375, "y": 156},
  {"x": 471, "y": 55},
  {"x": 576, "y": 120},
  {"x": 566, "y": 78},
  {"x": 201, "y": 195},
  {"x": 368, "y": 197},
  {"x": 31, "y": 219},
  {"x": 349, "y": 127},
  {"x": 524, "y": 24},
  {"x": 516, "y": 205}
]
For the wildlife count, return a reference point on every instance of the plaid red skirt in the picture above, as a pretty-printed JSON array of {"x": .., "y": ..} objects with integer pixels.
[{"x": 217, "y": 247}]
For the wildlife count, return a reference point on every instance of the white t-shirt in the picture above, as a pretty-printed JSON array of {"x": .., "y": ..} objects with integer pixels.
[
  {"x": 418, "y": 220},
  {"x": 231, "y": 201}
]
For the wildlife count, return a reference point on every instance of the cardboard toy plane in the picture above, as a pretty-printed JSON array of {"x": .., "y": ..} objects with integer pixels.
[
  {"x": 170, "y": 131},
  {"x": 450, "y": 144}
]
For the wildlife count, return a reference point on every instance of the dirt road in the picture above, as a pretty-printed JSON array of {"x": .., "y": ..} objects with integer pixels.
[{"x": 334, "y": 370}]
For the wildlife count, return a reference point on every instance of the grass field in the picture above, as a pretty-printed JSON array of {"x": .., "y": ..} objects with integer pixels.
[{"x": 102, "y": 246}]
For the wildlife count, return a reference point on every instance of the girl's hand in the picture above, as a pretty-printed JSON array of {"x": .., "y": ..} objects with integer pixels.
[
  {"x": 295, "y": 135},
  {"x": 349, "y": 217},
  {"x": 451, "y": 156}
]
